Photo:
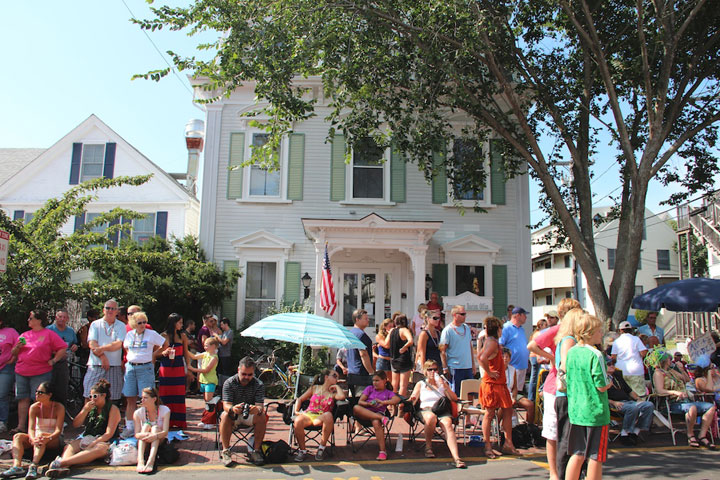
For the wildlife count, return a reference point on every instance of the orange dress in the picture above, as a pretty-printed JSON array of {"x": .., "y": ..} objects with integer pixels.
[{"x": 493, "y": 391}]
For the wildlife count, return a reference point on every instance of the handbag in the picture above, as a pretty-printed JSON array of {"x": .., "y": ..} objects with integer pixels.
[
  {"x": 444, "y": 405},
  {"x": 561, "y": 381}
]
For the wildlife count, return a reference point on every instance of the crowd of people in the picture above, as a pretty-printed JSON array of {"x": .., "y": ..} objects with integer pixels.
[{"x": 588, "y": 376}]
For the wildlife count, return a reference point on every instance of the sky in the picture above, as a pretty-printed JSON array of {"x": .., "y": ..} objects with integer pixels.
[{"x": 67, "y": 60}]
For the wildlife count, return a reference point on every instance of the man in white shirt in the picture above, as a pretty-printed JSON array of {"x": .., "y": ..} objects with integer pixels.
[
  {"x": 105, "y": 339},
  {"x": 628, "y": 352}
]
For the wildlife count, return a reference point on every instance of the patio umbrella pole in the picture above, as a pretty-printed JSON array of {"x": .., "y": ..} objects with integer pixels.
[{"x": 299, "y": 369}]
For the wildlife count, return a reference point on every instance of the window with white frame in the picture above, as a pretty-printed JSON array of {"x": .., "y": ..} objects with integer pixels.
[
  {"x": 93, "y": 160},
  {"x": 260, "y": 289},
  {"x": 470, "y": 278},
  {"x": 143, "y": 228},
  {"x": 101, "y": 228},
  {"x": 263, "y": 181},
  {"x": 368, "y": 170},
  {"x": 468, "y": 157}
]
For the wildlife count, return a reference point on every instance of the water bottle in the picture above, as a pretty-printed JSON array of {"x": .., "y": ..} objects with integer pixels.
[{"x": 398, "y": 444}]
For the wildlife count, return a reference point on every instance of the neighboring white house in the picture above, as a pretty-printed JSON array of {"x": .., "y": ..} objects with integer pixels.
[
  {"x": 92, "y": 150},
  {"x": 387, "y": 231},
  {"x": 556, "y": 275}
]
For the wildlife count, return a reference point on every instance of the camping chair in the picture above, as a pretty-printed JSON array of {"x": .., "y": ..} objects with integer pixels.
[
  {"x": 240, "y": 434},
  {"x": 414, "y": 418},
  {"x": 361, "y": 429},
  {"x": 468, "y": 395},
  {"x": 313, "y": 433}
]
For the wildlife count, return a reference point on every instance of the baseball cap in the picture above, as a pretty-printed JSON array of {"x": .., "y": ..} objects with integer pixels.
[
  {"x": 517, "y": 310},
  {"x": 551, "y": 313},
  {"x": 624, "y": 326}
]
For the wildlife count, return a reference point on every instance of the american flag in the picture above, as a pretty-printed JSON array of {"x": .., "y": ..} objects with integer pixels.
[{"x": 327, "y": 290}]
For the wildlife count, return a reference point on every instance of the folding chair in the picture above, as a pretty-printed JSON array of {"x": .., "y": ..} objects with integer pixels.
[
  {"x": 313, "y": 433},
  {"x": 417, "y": 423},
  {"x": 469, "y": 391},
  {"x": 365, "y": 430},
  {"x": 240, "y": 434}
]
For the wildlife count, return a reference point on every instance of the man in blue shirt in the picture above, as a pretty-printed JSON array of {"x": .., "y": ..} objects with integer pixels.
[
  {"x": 514, "y": 338},
  {"x": 359, "y": 362},
  {"x": 456, "y": 349},
  {"x": 60, "y": 371},
  {"x": 651, "y": 329}
]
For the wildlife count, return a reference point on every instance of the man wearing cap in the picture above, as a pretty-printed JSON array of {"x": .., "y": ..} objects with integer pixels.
[
  {"x": 628, "y": 352},
  {"x": 514, "y": 338},
  {"x": 637, "y": 414},
  {"x": 651, "y": 329},
  {"x": 552, "y": 318}
]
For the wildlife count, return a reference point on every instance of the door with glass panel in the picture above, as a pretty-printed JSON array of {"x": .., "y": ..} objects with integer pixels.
[{"x": 372, "y": 290}]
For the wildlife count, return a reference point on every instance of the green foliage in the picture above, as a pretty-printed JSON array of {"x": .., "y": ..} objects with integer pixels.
[
  {"x": 698, "y": 254},
  {"x": 41, "y": 259},
  {"x": 161, "y": 276}
]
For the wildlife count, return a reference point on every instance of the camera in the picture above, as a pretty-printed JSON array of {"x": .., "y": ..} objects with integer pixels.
[{"x": 246, "y": 411}]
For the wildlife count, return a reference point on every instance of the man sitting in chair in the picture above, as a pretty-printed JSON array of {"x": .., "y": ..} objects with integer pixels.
[
  {"x": 243, "y": 398},
  {"x": 637, "y": 414}
]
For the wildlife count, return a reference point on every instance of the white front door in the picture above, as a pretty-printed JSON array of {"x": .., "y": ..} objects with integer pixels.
[{"x": 376, "y": 290}]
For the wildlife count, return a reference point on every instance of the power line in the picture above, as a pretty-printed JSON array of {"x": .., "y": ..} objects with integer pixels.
[{"x": 162, "y": 55}]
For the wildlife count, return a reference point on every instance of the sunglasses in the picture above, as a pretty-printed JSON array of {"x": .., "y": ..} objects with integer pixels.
[
  {"x": 435, "y": 318},
  {"x": 462, "y": 313},
  {"x": 334, "y": 375},
  {"x": 40, "y": 392},
  {"x": 140, "y": 323},
  {"x": 432, "y": 369},
  {"x": 94, "y": 396},
  {"x": 110, "y": 308}
]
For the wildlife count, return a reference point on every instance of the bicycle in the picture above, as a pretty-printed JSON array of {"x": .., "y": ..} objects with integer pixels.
[
  {"x": 278, "y": 383},
  {"x": 75, "y": 400}
]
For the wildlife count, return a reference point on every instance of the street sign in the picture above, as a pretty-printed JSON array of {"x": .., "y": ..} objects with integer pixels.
[{"x": 4, "y": 241}]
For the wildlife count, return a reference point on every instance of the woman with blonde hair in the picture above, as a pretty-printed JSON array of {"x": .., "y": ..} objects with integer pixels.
[{"x": 383, "y": 346}]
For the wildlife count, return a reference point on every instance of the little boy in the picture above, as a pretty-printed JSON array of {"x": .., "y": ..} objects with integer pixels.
[
  {"x": 207, "y": 365},
  {"x": 588, "y": 409}
]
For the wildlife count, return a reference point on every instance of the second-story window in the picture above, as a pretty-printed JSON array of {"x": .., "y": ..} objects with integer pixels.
[
  {"x": 468, "y": 158},
  {"x": 368, "y": 173},
  {"x": 263, "y": 182},
  {"x": 93, "y": 160}
]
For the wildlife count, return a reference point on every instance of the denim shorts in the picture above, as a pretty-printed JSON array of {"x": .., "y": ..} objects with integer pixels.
[
  {"x": 207, "y": 388},
  {"x": 702, "y": 407},
  {"x": 138, "y": 377},
  {"x": 25, "y": 386},
  {"x": 382, "y": 364}
]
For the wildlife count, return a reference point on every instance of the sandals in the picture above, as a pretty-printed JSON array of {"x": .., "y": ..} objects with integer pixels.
[
  {"x": 707, "y": 444},
  {"x": 693, "y": 442},
  {"x": 459, "y": 463},
  {"x": 490, "y": 454},
  {"x": 429, "y": 453}
]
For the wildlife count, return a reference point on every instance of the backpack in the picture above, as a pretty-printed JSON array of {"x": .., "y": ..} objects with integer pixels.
[
  {"x": 275, "y": 452},
  {"x": 521, "y": 436}
]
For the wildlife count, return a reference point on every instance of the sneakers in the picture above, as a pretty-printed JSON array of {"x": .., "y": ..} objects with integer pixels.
[
  {"x": 226, "y": 458},
  {"x": 385, "y": 420},
  {"x": 3, "y": 427},
  {"x": 13, "y": 472},
  {"x": 381, "y": 456},
  {"x": 55, "y": 470},
  {"x": 32, "y": 472},
  {"x": 208, "y": 426},
  {"x": 320, "y": 455},
  {"x": 127, "y": 433},
  {"x": 256, "y": 458},
  {"x": 300, "y": 455}
]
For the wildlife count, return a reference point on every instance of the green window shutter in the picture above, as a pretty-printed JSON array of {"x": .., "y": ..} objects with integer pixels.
[
  {"x": 337, "y": 169},
  {"x": 292, "y": 283},
  {"x": 440, "y": 278},
  {"x": 500, "y": 290},
  {"x": 296, "y": 166},
  {"x": 229, "y": 304},
  {"x": 497, "y": 175},
  {"x": 439, "y": 181},
  {"x": 397, "y": 175},
  {"x": 237, "y": 153}
]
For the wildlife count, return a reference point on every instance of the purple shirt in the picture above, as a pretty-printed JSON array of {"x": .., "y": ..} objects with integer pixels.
[
  {"x": 204, "y": 330},
  {"x": 372, "y": 394}
]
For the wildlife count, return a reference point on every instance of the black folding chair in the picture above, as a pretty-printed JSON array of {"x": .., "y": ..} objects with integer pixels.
[{"x": 359, "y": 429}]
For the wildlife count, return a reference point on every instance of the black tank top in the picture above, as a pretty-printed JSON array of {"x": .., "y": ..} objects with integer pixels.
[{"x": 400, "y": 360}]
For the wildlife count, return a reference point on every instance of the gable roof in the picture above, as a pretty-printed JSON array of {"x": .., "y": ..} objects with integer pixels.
[
  {"x": 12, "y": 160},
  {"x": 93, "y": 121}
]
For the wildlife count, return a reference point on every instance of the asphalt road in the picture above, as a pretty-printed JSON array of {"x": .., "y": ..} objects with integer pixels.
[{"x": 662, "y": 463}]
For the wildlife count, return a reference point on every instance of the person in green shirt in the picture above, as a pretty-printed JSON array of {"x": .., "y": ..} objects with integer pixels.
[{"x": 588, "y": 408}]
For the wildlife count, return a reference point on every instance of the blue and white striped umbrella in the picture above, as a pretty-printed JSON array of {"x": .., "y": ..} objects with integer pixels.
[{"x": 305, "y": 329}]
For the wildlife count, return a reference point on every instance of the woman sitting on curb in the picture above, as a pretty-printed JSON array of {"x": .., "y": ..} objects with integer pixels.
[
  {"x": 100, "y": 418},
  {"x": 372, "y": 406},
  {"x": 152, "y": 424},
  {"x": 322, "y": 396},
  {"x": 45, "y": 433}
]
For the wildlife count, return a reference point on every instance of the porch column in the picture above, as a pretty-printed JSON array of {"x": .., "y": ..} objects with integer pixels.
[
  {"x": 319, "y": 252},
  {"x": 417, "y": 259}
]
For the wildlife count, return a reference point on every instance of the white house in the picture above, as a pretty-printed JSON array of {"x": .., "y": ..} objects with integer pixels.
[
  {"x": 91, "y": 150},
  {"x": 556, "y": 275},
  {"x": 387, "y": 231}
]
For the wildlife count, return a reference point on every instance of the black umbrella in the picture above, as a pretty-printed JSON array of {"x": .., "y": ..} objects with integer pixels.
[{"x": 690, "y": 295}]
